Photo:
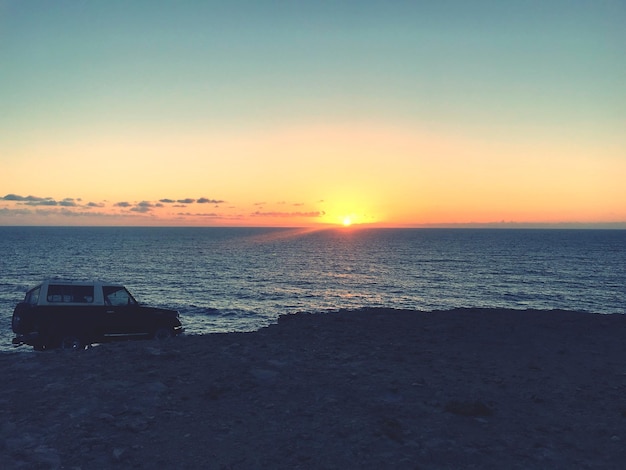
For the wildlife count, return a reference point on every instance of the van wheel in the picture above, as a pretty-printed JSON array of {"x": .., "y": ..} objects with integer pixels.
[
  {"x": 162, "y": 334},
  {"x": 71, "y": 342}
]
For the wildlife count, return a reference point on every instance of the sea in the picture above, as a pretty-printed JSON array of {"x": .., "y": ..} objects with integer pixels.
[{"x": 242, "y": 279}]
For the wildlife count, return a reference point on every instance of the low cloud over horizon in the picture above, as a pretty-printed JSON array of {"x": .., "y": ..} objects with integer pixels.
[
  {"x": 41, "y": 201},
  {"x": 46, "y": 208},
  {"x": 31, "y": 200},
  {"x": 141, "y": 207},
  {"x": 36, "y": 210}
]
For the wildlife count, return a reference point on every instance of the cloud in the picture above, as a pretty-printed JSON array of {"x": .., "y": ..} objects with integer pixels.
[
  {"x": 45, "y": 202},
  {"x": 95, "y": 204},
  {"x": 15, "y": 197},
  {"x": 32, "y": 200},
  {"x": 189, "y": 200},
  {"x": 68, "y": 202},
  {"x": 204, "y": 200},
  {"x": 14, "y": 212},
  {"x": 70, "y": 213},
  {"x": 143, "y": 207},
  {"x": 208, "y": 215},
  {"x": 43, "y": 212},
  {"x": 288, "y": 214}
]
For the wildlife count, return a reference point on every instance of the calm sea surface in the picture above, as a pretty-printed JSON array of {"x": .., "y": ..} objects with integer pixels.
[{"x": 240, "y": 279}]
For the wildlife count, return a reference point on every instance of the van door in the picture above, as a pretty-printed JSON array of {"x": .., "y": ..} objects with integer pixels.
[{"x": 122, "y": 313}]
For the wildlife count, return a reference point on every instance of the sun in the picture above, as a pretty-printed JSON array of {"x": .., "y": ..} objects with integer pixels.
[{"x": 347, "y": 221}]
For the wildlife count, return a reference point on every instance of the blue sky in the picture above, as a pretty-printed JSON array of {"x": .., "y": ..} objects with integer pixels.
[{"x": 522, "y": 61}]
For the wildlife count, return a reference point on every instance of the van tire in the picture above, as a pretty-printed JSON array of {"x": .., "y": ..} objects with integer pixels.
[
  {"x": 163, "y": 334},
  {"x": 72, "y": 343}
]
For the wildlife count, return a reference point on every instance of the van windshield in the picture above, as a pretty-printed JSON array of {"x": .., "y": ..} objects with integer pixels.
[
  {"x": 32, "y": 297},
  {"x": 117, "y": 295}
]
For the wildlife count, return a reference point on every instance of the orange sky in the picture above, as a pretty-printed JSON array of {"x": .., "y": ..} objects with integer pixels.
[
  {"x": 301, "y": 176},
  {"x": 398, "y": 116}
]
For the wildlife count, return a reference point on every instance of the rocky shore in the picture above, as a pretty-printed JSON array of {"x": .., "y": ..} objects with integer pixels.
[{"x": 368, "y": 389}]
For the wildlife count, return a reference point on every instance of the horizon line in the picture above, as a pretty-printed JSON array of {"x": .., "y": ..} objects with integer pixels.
[{"x": 460, "y": 225}]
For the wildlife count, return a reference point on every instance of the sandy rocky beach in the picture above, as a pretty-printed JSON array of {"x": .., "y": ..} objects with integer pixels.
[{"x": 367, "y": 389}]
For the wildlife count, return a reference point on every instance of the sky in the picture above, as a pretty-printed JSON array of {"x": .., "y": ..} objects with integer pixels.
[{"x": 313, "y": 113}]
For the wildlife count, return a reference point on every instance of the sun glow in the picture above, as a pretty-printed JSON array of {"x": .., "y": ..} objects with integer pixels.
[{"x": 347, "y": 221}]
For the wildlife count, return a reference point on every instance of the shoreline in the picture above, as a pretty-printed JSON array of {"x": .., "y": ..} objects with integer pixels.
[{"x": 374, "y": 388}]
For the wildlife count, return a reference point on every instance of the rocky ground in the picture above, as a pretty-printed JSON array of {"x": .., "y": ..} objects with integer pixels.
[{"x": 369, "y": 389}]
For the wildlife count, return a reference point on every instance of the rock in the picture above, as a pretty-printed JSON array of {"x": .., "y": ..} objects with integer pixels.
[
  {"x": 468, "y": 408},
  {"x": 119, "y": 453},
  {"x": 369, "y": 390},
  {"x": 264, "y": 374}
]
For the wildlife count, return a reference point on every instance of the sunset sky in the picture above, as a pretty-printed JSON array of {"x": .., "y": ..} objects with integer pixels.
[{"x": 305, "y": 113}]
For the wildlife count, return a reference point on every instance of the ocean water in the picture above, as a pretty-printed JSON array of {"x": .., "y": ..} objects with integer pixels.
[{"x": 240, "y": 279}]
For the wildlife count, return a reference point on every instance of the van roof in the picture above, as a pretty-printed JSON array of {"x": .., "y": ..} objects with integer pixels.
[{"x": 79, "y": 282}]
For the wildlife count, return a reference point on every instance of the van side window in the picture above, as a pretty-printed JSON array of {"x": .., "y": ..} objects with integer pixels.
[{"x": 70, "y": 294}]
